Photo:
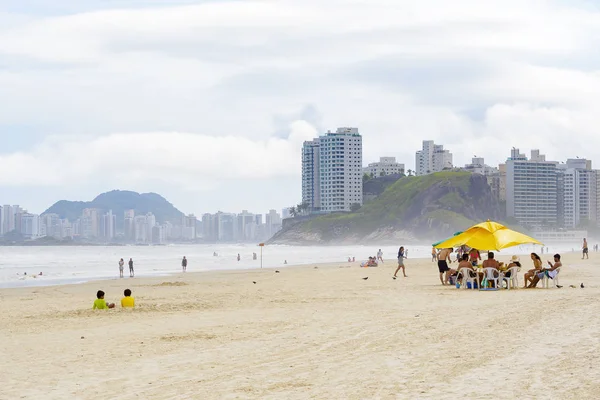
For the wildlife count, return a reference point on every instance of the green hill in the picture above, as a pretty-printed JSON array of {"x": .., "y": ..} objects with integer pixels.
[
  {"x": 118, "y": 201},
  {"x": 413, "y": 207}
]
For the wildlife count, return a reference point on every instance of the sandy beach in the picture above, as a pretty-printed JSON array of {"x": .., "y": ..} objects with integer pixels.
[{"x": 312, "y": 332}]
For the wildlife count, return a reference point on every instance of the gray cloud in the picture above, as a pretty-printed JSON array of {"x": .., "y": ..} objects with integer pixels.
[{"x": 202, "y": 100}]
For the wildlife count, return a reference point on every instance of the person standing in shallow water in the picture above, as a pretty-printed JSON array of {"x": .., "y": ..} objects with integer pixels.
[
  {"x": 121, "y": 264},
  {"x": 585, "y": 250},
  {"x": 184, "y": 264},
  {"x": 131, "y": 274}
]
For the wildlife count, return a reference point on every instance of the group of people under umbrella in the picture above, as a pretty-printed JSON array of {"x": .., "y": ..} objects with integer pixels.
[{"x": 491, "y": 274}]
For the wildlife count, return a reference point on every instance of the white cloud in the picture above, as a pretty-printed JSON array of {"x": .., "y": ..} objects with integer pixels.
[{"x": 192, "y": 96}]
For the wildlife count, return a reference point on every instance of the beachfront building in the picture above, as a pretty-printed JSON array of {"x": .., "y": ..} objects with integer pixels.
[
  {"x": 478, "y": 166},
  {"x": 532, "y": 189},
  {"x": 577, "y": 184},
  {"x": 432, "y": 158},
  {"x": 340, "y": 170},
  {"x": 30, "y": 225},
  {"x": 385, "y": 166},
  {"x": 310, "y": 175}
]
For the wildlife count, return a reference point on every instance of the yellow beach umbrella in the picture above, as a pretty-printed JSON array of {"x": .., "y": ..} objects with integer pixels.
[{"x": 488, "y": 235}]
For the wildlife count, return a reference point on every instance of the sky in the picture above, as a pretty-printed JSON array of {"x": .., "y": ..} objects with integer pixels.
[{"x": 208, "y": 102}]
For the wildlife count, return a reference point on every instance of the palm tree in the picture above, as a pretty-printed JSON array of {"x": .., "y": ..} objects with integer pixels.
[
  {"x": 293, "y": 211},
  {"x": 410, "y": 172}
]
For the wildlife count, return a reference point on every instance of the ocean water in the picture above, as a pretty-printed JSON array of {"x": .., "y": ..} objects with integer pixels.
[{"x": 71, "y": 265}]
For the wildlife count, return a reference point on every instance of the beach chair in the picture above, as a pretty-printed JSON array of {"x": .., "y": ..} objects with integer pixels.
[
  {"x": 512, "y": 280},
  {"x": 468, "y": 276},
  {"x": 546, "y": 278},
  {"x": 491, "y": 275}
]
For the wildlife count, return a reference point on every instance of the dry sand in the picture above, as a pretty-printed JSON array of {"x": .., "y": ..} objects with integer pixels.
[{"x": 304, "y": 333}]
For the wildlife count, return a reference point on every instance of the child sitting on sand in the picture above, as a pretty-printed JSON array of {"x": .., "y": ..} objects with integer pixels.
[
  {"x": 127, "y": 301},
  {"x": 100, "y": 303}
]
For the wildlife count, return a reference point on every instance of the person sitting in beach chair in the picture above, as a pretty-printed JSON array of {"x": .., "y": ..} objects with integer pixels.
[
  {"x": 550, "y": 272},
  {"x": 457, "y": 274}
]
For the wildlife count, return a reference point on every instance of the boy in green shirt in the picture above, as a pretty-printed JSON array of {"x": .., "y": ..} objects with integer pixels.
[{"x": 100, "y": 303}]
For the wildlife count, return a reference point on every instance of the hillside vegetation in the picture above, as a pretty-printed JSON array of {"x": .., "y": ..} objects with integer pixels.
[{"x": 413, "y": 207}]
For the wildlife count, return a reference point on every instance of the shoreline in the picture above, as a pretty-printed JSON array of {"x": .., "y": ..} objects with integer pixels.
[{"x": 126, "y": 278}]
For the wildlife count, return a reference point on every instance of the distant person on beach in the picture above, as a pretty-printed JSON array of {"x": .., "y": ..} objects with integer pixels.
[
  {"x": 254, "y": 256},
  {"x": 127, "y": 301},
  {"x": 406, "y": 253},
  {"x": 585, "y": 249},
  {"x": 121, "y": 264},
  {"x": 238, "y": 257},
  {"x": 380, "y": 256},
  {"x": 401, "y": 257},
  {"x": 184, "y": 264},
  {"x": 131, "y": 273},
  {"x": 443, "y": 261},
  {"x": 433, "y": 255},
  {"x": 285, "y": 262},
  {"x": 100, "y": 303}
]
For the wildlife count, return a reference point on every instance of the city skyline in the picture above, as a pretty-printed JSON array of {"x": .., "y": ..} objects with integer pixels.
[{"x": 191, "y": 98}]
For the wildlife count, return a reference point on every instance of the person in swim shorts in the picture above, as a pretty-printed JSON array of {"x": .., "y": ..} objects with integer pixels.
[{"x": 443, "y": 261}]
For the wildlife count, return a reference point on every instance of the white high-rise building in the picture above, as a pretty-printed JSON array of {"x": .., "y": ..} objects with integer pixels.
[
  {"x": 128, "y": 224},
  {"x": 432, "y": 158},
  {"x": 578, "y": 193},
  {"x": 311, "y": 191},
  {"x": 8, "y": 222},
  {"x": 141, "y": 229},
  {"x": 532, "y": 189},
  {"x": 30, "y": 225},
  {"x": 340, "y": 170},
  {"x": 273, "y": 222},
  {"x": 385, "y": 166}
]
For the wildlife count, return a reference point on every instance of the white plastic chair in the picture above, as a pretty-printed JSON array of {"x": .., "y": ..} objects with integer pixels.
[
  {"x": 545, "y": 279},
  {"x": 468, "y": 276},
  {"x": 513, "y": 279},
  {"x": 492, "y": 275}
]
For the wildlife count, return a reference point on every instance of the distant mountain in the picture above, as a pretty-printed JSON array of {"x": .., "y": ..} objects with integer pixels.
[
  {"x": 118, "y": 201},
  {"x": 409, "y": 209}
]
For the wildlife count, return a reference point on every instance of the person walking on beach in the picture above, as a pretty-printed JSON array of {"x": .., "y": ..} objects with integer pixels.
[
  {"x": 131, "y": 274},
  {"x": 121, "y": 264},
  {"x": 434, "y": 255},
  {"x": 585, "y": 250},
  {"x": 443, "y": 261},
  {"x": 401, "y": 257},
  {"x": 184, "y": 264},
  {"x": 380, "y": 256}
]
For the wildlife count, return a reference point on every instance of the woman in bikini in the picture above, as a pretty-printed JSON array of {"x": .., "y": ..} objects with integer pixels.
[{"x": 532, "y": 273}]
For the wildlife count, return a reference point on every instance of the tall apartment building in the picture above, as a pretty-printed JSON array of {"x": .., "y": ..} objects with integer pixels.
[
  {"x": 340, "y": 170},
  {"x": 577, "y": 184},
  {"x": 128, "y": 224},
  {"x": 30, "y": 225},
  {"x": 385, "y": 166},
  {"x": 432, "y": 158},
  {"x": 8, "y": 219},
  {"x": 532, "y": 189},
  {"x": 311, "y": 192},
  {"x": 108, "y": 225}
]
